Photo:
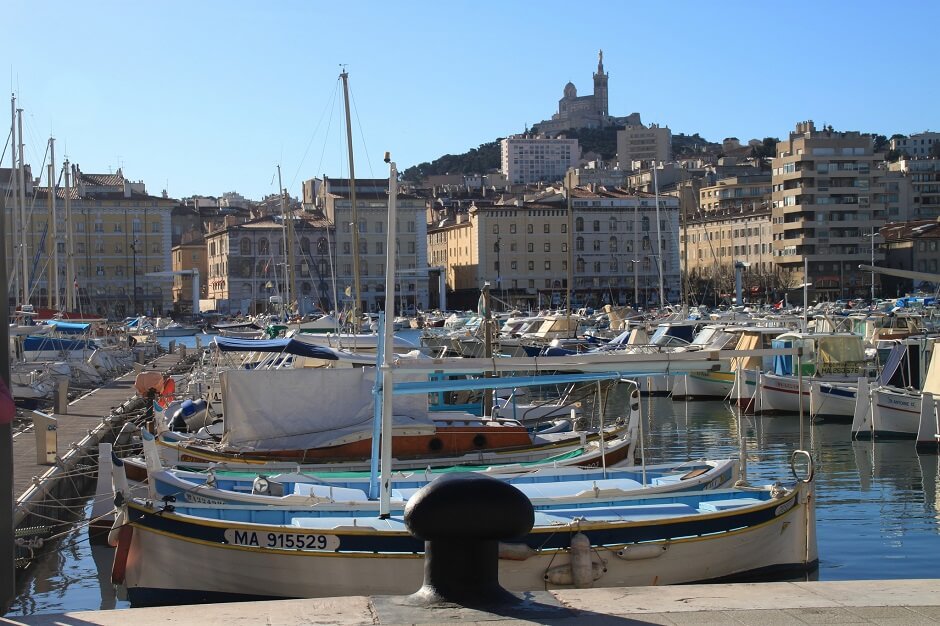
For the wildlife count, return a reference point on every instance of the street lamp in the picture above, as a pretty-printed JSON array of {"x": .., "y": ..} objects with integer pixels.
[
  {"x": 871, "y": 236},
  {"x": 134, "y": 270}
]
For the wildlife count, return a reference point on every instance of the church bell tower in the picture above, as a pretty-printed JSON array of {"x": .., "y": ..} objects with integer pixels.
[{"x": 600, "y": 88}]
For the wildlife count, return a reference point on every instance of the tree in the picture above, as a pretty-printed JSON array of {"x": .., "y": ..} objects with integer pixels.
[{"x": 879, "y": 143}]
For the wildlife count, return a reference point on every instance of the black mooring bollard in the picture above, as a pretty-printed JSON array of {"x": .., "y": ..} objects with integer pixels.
[{"x": 462, "y": 518}]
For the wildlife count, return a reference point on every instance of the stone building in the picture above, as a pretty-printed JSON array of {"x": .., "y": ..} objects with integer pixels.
[{"x": 525, "y": 160}]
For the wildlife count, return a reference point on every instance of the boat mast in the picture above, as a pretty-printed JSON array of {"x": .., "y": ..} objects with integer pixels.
[
  {"x": 22, "y": 184},
  {"x": 285, "y": 232},
  {"x": 354, "y": 210},
  {"x": 70, "y": 277},
  {"x": 388, "y": 338},
  {"x": 14, "y": 209},
  {"x": 54, "y": 301},
  {"x": 659, "y": 242},
  {"x": 569, "y": 184}
]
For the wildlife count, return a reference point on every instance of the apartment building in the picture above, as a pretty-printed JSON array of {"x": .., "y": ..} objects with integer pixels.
[
  {"x": 334, "y": 199},
  {"x": 715, "y": 240},
  {"x": 246, "y": 263},
  {"x": 188, "y": 255},
  {"x": 522, "y": 248},
  {"x": 642, "y": 145},
  {"x": 913, "y": 246},
  {"x": 736, "y": 193},
  {"x": 526, "y": 160},
  {"x": 919, "y": 145},
  {"x": 119, "y": 234},
  {"x": 912, "y": 188},
  {"x": 827, "y": 205}
]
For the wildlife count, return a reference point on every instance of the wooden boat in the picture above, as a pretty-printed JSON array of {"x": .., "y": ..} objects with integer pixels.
[{"x": 239, "y": 553}]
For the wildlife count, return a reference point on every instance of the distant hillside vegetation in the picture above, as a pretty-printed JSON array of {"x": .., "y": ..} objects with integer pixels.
[
  {"x": 602, "y": 141},
  {"x": 475, "y": 161}
]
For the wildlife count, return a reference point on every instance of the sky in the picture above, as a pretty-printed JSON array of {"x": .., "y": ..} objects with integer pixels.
[{"x": 209, "y": 96}]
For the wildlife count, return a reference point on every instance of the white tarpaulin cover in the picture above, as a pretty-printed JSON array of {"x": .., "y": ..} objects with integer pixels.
[{"x": 298, "y": 409}]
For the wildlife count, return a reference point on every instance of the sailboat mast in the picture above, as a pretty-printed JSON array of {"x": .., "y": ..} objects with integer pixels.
[
  {"x": 289, "y": 265},
  {"x": 70, "y": 277},
  {"x": 659, "y": 242},
  {"x": 388, "y": 355},
  {"x": 14, "y": 210},
  {"x": 55, "y": 301},
  {"x": 24, "y": 258},
  {"x": 353, "y": 208}
]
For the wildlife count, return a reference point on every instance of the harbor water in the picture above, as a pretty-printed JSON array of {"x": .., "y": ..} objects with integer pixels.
[{"x": 877, "y": 508}]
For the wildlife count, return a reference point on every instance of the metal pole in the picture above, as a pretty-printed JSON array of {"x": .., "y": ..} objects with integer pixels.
[
  {"x": 569, "y": 175},
  {"x": 288, "y": 250},
  {"x": 7, "y": 550},
  {"x": 54, "y": 300},
  {"x": 70, "y": 277},
  {"x": 635, "y": 260},
  {"x": 355, "y": 211},
  {"x": 659, "y": 243},
  {"x": 873, "y": 265},
  {"x": 134, "y": 270},
  {"x": 14, "y": 212},
  {"x": 388, "y": 339},
  {"x": 23, "y": 228}
]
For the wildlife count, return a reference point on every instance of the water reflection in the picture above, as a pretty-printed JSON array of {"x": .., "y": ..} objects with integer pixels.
[{"x": 877, "y": 507}]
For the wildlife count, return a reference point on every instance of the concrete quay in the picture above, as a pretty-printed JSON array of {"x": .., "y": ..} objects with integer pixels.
[{"x": 761, "y": 604}]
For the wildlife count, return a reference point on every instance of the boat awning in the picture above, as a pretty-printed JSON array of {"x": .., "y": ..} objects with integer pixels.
[
  {"x": 289, "y": 346},
  {"x": 38, "y": 344},
  {"x": 434, "y": 386},
  {"x": 69, "y": 328}
]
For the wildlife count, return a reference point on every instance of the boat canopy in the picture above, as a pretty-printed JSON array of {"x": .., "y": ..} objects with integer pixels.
[
  {"x": 39, "y": 344},
  {"x": 286, "y": 345},
  {"x": 69, "y": 328},
  {"x": 296, "y": 409}
]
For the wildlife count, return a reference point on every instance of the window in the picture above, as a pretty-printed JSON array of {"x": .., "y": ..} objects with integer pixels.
[
  {"x": 597, "y": 245},
  {"x": 117, "y": 228},
  {"x": 304, "y": 245},
  {"x": 496, "y": 246},
  {"x": 411, "y": 247},
  {"x": 646, "y": 224},
  {"x": 579, "y": 224},
  {"x": 495, "y": 229},
  {"x": 99, "y": 227},
  {"x": 347, "y": 247},
  {"x": 378, "y": 227},
  {"x": 362, "y": 226},
  {"x": 547, "y": 247},
  {"x": 380, "y": 247},
  {"x": 512, "y": 229},
  {"x": 246, "y": 247},
  {"x": 80, "y": 227},
  {"x": 597, "y": 226},
  {"x": 531, "y": 265},
  {"x": 137, "y": 226},
  {"x": 546, "y": 228},
  {"x": 548, "y": 265},
  {"x": 613, "y": 244},
  {"x": 564, "y": 228},
  {"x": 529, "y": 228},
  {"x": 513, "y": 265},
  {"x": 155, "y": 227},
  {"x": 263, "y": 247},
  {"x": 363, "y": 247},
  {"x": 579, "y": 244}
]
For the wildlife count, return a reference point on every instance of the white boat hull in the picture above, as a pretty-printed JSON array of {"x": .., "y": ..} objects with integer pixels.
[{"x": 164, "y": 567}]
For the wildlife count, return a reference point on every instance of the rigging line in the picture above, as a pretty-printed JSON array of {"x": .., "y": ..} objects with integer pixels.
[
  {"x": 365, "y": 147},
  {"x": 328, "y": 127},
  {"x": 6, "y": 145},
  {"x": 312, "y": 137}
]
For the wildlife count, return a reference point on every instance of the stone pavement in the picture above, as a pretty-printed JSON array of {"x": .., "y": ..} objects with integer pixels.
[{"x": 761, "y": 604}]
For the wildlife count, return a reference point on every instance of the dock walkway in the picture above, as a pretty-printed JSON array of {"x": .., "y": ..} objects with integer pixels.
[
  {"x": 84, "y": 414},
  {"x": 759, "y": 604}
]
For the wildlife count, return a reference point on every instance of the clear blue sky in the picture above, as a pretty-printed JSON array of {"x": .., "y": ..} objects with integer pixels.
[{"x": 203, "y": 97}]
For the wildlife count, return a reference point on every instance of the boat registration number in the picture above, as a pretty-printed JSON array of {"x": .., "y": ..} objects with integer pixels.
[{"x": 281, "y": 540}]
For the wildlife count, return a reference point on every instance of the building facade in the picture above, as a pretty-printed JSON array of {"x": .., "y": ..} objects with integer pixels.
[
  {"x": 643, "y": 145},
  {"x": 913, "y": 189},
  {"x": 188, "y": 256},
  {"x": 526, "y": 160},
  {"x": 916, "y": 146},
  {"x": 913, "y": 246},
  {"x": 119, "y": 235},
  {"x": 827, "y": 207},
  {"x": 523, "y": 248},
  {"x": 246, "y": 264},
  {"x": 372, "y": 210}
]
